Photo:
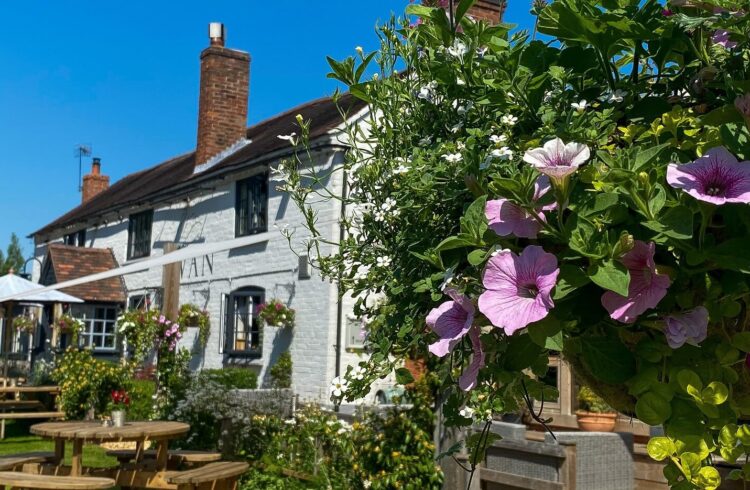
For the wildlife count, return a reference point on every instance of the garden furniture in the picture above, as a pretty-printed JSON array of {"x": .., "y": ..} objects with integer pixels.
[
  {"x": 13, "y": 461},
  {"x": 214, "y": 476},
  {"x": 43, "y": 482},
  {"x": 176, "y": 458},
  {"x": 15, "y": 408},
  {"x": 79, "y": 432}
]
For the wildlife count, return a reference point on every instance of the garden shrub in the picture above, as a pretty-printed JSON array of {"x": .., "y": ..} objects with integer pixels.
[
  {"x": 141, "y": 399},
  {"x": 281, "y": 372},
  {"x": 86, "y": 382},
  {"x": 586, "y": 193},
  {"x": 233, "y": 378}
]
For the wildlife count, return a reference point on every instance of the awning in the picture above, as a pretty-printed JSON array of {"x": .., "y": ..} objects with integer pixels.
[
  {"x": 13, "y": 287},
  {"x": 197, "y": 250}
]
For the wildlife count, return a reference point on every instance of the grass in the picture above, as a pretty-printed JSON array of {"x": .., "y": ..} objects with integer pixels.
[{"x": 18, "y": 440}]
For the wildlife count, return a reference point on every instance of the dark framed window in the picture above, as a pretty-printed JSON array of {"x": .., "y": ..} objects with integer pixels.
[
  {"x": 139, "y": 234},
  {"x": 244, "y": 333},
  {"x": 251, "y": 208},
  {"x": 77, "y": 239}
]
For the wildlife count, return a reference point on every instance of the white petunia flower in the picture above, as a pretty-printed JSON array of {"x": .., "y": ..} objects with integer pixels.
[
  {"x": 580, "y": 106},
  {"x": 508, "y": 119},
  {"x": 453, "y": 157}
]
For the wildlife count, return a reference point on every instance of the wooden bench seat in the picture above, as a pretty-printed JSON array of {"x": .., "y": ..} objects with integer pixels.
[
  {"x": 31, "y": 415},
  {"x": 13, "y": 461},
  {"x": 175, "y": 457},
  {"x": 48, "y": 482},
  {"x": 223, "y": 474}
]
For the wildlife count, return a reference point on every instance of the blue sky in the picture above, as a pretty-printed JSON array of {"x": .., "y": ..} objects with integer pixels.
[{"x": 123, "y": 76}]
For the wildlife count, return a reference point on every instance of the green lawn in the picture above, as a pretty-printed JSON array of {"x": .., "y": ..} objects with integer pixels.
[{"x": 18, "y": 440}]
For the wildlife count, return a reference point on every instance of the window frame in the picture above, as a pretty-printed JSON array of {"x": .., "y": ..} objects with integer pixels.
[
  {"x": 243, "y": 214},
  {"x": 135, "y": 227},
  {"x": 82, "y": 312},
  {"x": 76, "y": 239},
  {"x": 258, "y": 296}
]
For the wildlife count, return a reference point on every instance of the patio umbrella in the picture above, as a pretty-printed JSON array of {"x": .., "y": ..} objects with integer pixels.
[{"x": 12, "y": 285}]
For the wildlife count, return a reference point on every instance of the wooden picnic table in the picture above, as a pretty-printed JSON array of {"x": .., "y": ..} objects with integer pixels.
[
  {"x": 159, "y": 432},
  {"x": 29, "y": 389}
]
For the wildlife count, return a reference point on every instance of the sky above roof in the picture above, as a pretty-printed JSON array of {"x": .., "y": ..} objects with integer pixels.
[{"x": 123, "y": 77}]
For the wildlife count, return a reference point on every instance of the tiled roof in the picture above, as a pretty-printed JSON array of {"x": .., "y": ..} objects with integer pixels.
[
  {"x": 139, "y": 187},
  {"x": 66, "y": 262}
]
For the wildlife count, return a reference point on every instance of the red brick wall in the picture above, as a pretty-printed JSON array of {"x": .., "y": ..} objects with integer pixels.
[
  {"x": 222, "y": 107},
  {"x": 488, "y": 10}
]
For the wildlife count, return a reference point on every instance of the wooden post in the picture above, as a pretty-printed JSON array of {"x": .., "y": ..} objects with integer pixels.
[
  {"x": 76, "y": 463},
  {"x": 55, "y": 337},
  {"x": 171, "y": 285}
]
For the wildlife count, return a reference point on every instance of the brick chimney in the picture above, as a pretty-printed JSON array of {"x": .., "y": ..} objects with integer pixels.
[
  {"x": 224, "y": 89},
  {"x": 490, "y": 11},
  {"x": 94, "y": 182}
]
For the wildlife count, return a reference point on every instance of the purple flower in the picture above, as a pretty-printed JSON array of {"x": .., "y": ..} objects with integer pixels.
[
  {"x": 450, "y": 321},
  {"x": 690, "y": 327},
  {"x": 721, "y": 37},
  {"x": 518, "y": 288},
  {"x": 667, "y": 12},
  {"x": 556, "y": 159},
  {"x": 468, "y": 378},
  {"x": 506, "y": 218},
  {"x": 647, "y": 287},
  {"x": 716, "y": 177}
]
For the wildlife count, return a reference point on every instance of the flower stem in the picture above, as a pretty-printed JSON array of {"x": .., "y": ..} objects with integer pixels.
[{"x": 707, "y": 212}]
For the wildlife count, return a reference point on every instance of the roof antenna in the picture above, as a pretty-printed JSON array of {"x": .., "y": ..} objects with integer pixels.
[{"x": 81, "y": 150}]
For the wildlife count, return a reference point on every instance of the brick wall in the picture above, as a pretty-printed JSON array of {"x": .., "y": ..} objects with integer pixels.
[
  {"x": 489, "y": 10},
  {"x": 222, "y": 106},
  {"x": 94, "y": 182}
]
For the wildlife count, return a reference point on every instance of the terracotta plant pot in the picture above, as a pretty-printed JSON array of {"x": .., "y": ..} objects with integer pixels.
[{"x": 596, "y": 422}]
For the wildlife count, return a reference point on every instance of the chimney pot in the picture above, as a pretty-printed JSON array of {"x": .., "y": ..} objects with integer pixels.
[
  {"x": 216, "y": 33},
  {"x": 96, "y": 166},
  {"x": 94, "y": 182}
]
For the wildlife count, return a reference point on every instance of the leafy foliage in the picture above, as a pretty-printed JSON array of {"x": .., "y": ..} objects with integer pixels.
[
  {"x": 281, "y": 372},
  {"x": 647, "y": 291}
]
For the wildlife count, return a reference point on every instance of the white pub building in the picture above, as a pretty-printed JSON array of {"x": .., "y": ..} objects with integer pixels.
[{"x": 219, "y": 192}]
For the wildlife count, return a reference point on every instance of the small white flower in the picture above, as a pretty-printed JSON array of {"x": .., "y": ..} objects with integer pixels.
[
  {"x": 384, "y": 261},
  {"x": 481, "y": 51},
  {"x": 290, "y": 422},
  {"x": 358, "y": 373},
  {"x": 457, "y": 127},
  {"x": 366, "y": 483},
  {"x": 389, "y": 204},
  {"x": 362, "y": 272},
  {"x": 341, "y": 431},
  {"x": 458, "y": 49},
  {"x": 617, "y": 96},
  {"x": 508, "y": 119},
  {"x": 378, "y": 215},
  {"x": 460, "y": 82},
  {"x": 503, "y": 153},
  {"x": 447, "y": 278},
  {"x": 461, "y": 145},
  {"x": 580, "y": 106},
  {"x": 425, "y": 141},
  {"x": 496, "y": 139},
  {"x": 375, "y": 76},
  {"x": 359, "y": 49},
  {"x": 291, "y": 138},
  {"x": 547, "y": 96},
  {"x": 338, "y": 387},
  {"x": 453, "y": 157},
  {"x": 401, "y": 169},
  {"x": 466, "y": 412}
]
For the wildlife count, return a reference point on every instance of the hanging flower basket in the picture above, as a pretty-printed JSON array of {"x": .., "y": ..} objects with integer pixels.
[
  {"x": 69, "y": 324},
  {"x": 24, "y": 324},
  {"x": 276, "y": 314}
]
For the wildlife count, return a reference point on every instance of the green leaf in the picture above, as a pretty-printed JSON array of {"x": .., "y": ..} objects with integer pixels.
[
  {"x": 743, "y": 434},
  {"x": 462, "y": 8},
  {"x": 660, "y": 448},
  {"x": 611, "y": 275},
  {"x": 598, "y": 203},
  {"x": 608, "y": 359},
  {"x": 728, "y": 435},
  {"x": 570, "y": 278},
  {"x": 690, "y": 383},
  {"x": 732, "y": 254},
  {"x": 741, "y": 341},
  {"x": 715, "y": 393},
  {"x": 708, "y": 478},
  {"x": 474, "y": 222},
  {"x": 652, "y": 409},
  {"x": 691, "y": 464},
  {"x": 404, "y": 376},
  {"x": 676, "y": 223},
  {"x": 547, "y": 333},
  {"x": 452, "y": 243},
  {"x": 418, "y": 10},
  {"x": 476, "y": 257},
  {"x": 645, "y": 157},
  {"x": 521, "y": 353}
]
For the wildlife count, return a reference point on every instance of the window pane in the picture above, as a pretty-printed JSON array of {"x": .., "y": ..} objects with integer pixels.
[
  {"x": 97, "y": 341},
  {"x": 109, "y": 342},
  {"x": 111, "y": 314}
]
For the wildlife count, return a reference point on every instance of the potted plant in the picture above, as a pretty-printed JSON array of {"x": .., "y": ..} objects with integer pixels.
[
  {"x": 24, "y": 323},
  {"x": 594, "y": 415},
  {"x": 276, "y": 314},
  {"x": 120, "y": 403}
]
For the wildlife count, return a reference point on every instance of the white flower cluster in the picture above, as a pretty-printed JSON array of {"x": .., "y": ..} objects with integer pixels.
[{"x": 125, "y": 326}]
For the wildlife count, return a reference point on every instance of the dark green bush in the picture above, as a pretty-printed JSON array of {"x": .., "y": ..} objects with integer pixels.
[
  {"x": 141, "y": 399},
  {"x": 232, "y": 378},
  {"x": 281, "y": 372}
]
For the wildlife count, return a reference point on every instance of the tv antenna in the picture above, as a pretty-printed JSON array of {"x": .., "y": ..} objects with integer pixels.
[{"x": 81, "y": 150}]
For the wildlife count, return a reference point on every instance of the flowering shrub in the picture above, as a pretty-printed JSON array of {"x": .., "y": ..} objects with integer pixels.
[
  {"x": 192, "y": 316},
  {"x": 276, "y": 314},
  {"x": 511, "y": 197},
  {"x": 281, "y": 371},
  {"x": 23, "y": 323},
  {"x": 87, "y": 383}
]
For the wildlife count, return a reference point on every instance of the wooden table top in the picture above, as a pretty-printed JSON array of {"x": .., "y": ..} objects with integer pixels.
[
  {"x": 29, "y": 389},
  {"x": 95, "y": 431}
]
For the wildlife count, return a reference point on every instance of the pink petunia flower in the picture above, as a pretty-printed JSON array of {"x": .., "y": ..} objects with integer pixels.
[
  {"x": 647, "y": 287},
  {"x": 716, "y": 177},
  {"x": 518, "y": 287},
  {"x": 506, "y": 218},
  {"x": 468, "y": 378},
  {"x": 451, "y": 321},
  {"x": 557, "y": 159},
  {"x": 690, "y": 327},
  {"x": 721, "y": 37}
]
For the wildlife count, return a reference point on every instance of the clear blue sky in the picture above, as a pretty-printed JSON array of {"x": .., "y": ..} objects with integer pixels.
[{"x": 123, "y": 76}]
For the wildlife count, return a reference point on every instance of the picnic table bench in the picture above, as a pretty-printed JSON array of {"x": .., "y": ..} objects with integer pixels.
[
  {"x": 175, "y": 458},
  {"x": 15, "y": 479},
  {"x": 32, "y": 409}
]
